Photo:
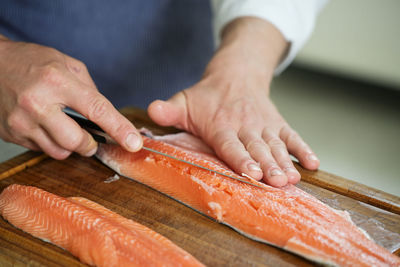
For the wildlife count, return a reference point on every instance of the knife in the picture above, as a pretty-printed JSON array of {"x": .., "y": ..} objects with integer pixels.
[{"x": 102, "y": 137}]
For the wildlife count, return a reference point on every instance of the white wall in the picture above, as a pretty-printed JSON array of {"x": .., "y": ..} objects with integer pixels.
[{"x": 357, "y": 38}]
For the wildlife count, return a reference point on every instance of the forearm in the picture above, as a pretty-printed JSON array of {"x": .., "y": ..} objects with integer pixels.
[{"x": 249, "y": 46}]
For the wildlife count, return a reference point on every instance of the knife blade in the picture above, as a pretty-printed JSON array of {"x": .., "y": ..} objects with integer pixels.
[{"x": 102, "y": 137}]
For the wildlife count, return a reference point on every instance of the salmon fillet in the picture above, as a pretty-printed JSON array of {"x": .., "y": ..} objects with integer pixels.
[
  {"x": 96, "y": 235},
  {"x": 286, "y": 217}
]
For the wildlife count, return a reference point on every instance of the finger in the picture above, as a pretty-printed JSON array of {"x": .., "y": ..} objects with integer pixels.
[
  {"x": 229, "y": 148},
  {"x": 170, "y": 113},
  {"x": 94, "y": 106},
  {"x": 21, "y": 141},
  {"x": 298, "y": 148},
  {"x": 25, "y": 131},
  {"x": 281, "y": 155},
  {"x": 259, "y": 150},
  {"x": 46, "y": 144},
  {"x": 68, "y": 134},
  {"x": 16, "y": 127},
  {"x": 29, "y": 145}
]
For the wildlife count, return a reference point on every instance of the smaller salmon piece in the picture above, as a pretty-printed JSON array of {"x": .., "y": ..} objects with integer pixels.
[{"x": 91, "y": 232}]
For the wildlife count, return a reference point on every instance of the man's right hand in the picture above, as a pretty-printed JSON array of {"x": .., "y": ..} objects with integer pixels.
[{"x": 36, "y": 83}]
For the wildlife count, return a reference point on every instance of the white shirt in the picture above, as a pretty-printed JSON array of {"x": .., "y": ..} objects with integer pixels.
[{"x": 295, "y": 19}]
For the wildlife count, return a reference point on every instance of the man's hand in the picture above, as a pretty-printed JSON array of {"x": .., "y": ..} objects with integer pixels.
[
  {"x": 231, "y": 110},
  {"x": 36, "y": 83}
]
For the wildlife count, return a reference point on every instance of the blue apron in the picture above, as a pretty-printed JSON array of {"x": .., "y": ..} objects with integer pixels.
[{"x": 136, "y": 50}]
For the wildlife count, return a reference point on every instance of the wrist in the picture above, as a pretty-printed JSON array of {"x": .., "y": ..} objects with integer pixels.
[
  {"x": 249, "y": 47},
  {"x": 260, "y": 39}
]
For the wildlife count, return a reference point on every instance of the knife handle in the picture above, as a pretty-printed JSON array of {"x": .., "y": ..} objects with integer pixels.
[{"x": 92, "y": 128}]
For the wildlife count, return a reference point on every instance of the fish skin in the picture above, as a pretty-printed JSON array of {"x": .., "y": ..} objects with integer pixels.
[
  {"x": 286, "y": 217},
  {"x": 96, "y": 235}
]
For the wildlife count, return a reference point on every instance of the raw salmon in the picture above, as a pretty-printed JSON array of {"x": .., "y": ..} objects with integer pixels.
[
  {"x": 287, "y": 217},
  {"x": 96, "y": 235}
]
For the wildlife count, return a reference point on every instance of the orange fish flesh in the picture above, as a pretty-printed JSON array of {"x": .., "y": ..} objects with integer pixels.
[
  {"x": 286, "y": 217},
  {"x": 96, "y": 235}
]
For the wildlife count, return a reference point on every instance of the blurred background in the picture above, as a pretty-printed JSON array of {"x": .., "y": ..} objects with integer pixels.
[
  {"x": 342, "y": 93},
  {"x": 359, "y": 39}
]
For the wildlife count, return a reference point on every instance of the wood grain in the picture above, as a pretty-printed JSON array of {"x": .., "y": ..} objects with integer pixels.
[
  {"x": 18, "y": 160},
  {"x": 212, "y": 243},
  {"x": 20, "y": 167},
  {"x": 351, "y": 189}
]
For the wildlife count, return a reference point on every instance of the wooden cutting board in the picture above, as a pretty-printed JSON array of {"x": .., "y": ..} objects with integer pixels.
[{"x": 212, "y": 243}]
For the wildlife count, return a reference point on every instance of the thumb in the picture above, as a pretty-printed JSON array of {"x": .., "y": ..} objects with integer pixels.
[{"x": 172, "y": 112}]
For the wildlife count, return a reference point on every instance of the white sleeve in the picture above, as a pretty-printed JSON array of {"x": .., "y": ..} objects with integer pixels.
[{"x": 293, "y": 18}]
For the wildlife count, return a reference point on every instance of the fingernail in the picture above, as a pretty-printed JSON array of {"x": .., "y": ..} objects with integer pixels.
[
  {"x": 292, "y": 174},
  {"x": 253, "y": 167},
  {"x": 132, "y": 142},
  {"x": 289, "y": 169},
  {"x": 275, "y": 172},
  {"x": 248, "y": 176},
  {"x": 91, "y": 152},
  {"x": 65, "y": 153},
  {"x": 312, "y": 157}
]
